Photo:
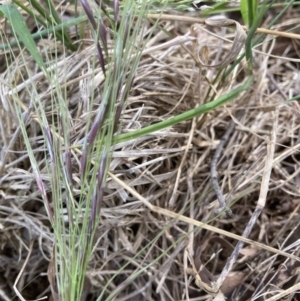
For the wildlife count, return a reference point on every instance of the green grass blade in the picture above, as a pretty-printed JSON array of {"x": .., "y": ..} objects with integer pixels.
[
  {"x": 296, "y": 97},
  {"x": 66, "y": 39},
  {"x": 30, "y": 13},
  {"x": 252, "y": 32},
  {"x": 19, "y": 26},
  {"x": 45, "y": 19},
  {"x": 248, "y": 10},
  {"x": 249, "y": 41},
  {"x": 244, "y": 8},
  {"x": 186, "y": 115},
  {"x": 53, "y": 12},
  {"x": 217, "y": 8},
  {"x": 52, "y": 18},
  {"x": 48, "y": 31}
]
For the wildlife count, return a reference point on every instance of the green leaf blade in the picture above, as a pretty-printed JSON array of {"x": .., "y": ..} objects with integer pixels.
[
  {"x": 20, "y": 28},
  {"x": 244, "y": 11}
]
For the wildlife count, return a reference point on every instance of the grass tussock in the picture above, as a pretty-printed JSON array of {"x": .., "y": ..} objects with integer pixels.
[{"x": 101, "y": 200}]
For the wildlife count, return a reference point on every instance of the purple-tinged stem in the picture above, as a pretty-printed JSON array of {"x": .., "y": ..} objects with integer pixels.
[
  {"x": 98, "y": 193},
  {"x": 100, "y": 57},
  {"x": 117, "y": 116},
  {"x": 68, "y": 165},
  {"x": 116, "y": 10},
  {"x": 97, "y": 124},
  {"x": 42, "y": 189},
  {"x": 83, "y": 161},
  {"x": 89, "y": 13},
  {"x": 103, "y": 35},
  {"x": 49, "y": 139}
]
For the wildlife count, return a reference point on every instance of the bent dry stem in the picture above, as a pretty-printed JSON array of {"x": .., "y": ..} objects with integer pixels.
[
  {"x": 214, "y": 173},
  {"x": 185, "y": 219}
]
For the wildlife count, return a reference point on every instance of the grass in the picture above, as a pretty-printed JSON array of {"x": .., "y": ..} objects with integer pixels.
[{"x": 109, "y": 124}]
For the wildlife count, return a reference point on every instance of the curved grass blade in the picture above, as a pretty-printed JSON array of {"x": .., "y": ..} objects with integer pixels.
[{"x": 186, "y": 115}]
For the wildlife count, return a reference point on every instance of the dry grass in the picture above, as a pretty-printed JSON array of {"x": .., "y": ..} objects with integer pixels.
[{"x": 171, "y": 170}]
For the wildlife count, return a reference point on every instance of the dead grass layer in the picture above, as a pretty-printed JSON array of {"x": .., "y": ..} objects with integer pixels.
[{"x": 172, "y": 165}]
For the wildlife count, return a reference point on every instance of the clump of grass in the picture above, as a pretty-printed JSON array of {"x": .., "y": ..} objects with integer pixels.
[
  {"x": 125, "y": 207},
  {"x": 74, "y": 244},
  {"x": 74, "y": 238}
]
